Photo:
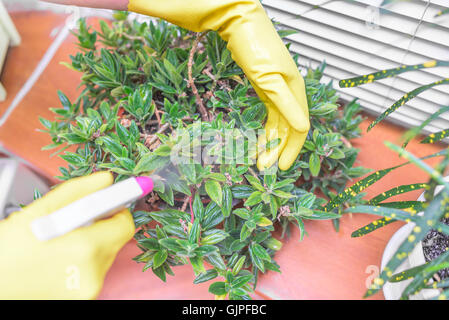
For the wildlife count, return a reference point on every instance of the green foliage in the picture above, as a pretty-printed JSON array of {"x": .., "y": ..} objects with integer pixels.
[{"x": 138, "y": 108}]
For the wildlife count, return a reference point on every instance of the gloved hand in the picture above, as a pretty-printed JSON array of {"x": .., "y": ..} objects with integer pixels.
[
  {"x": 258, "y": 50},
  {"x": 72, "y": 266}
]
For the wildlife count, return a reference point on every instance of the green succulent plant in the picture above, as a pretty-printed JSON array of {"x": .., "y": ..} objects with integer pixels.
[
  {"x": 152, "y": 90},
  {"x": 435, "y": 206}
]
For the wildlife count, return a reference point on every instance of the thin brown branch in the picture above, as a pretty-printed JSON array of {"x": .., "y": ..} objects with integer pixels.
[
  {"x": 346, "y": 142},
  {"x": 161, "y": 104},
  {"x": 155, "y": 137},
  {"x": 192, "y": 216},
  {"x": 214, "y": 80},
  {"x": 253, "y": 173},
  {"x": 156, "y": 113},
  {"x": 191, "y": 83}
]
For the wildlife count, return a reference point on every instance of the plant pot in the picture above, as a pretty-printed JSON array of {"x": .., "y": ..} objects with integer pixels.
[
  {"x": 17, "y": 186},
  {"x": 8, "y": 36},
  {"x": 393, "y": 291}
]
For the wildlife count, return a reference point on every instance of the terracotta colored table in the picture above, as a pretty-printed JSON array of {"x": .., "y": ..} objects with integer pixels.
[{"x": 326, "y": 265}]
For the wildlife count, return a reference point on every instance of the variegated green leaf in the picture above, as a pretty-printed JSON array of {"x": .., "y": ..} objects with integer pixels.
[
  {"x": 390, "y": 215},
  {"x": 419, "y": 163},
  {"x": 378, "y": 75},
  {"x": 405, "y": 98},
  {"x": 255, "y": 182},
  {"x": 206, "y": 276},
  {"x": 432, "y": 215},
  {"x": 377, "y": 224},
  {"x": 420, "y": 279},
  {"x": 361, "y": 185},
  {"x": 397, "y": 190},
  {"x": 213, "y": 189},
  {"x": 442, "y": 12},
  {"x": 413, "y": 132},
  {"x": 409, "y": 206},
  {"x": 319, "y": 215},
  {"x": 437, "y": 136},
  {"x": 358, "y": 187}
]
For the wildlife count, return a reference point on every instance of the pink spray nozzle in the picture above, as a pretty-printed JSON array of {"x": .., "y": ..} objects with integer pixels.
[{"x": 146, "y": 184}]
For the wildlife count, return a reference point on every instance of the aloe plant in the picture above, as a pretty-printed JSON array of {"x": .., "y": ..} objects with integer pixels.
[{"x": 434, "y": 208}]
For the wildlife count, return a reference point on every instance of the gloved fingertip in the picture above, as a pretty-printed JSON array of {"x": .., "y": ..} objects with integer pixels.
[
  {"x": 105, "y": 176},
  {"x": 68, "y": 192},
  {"x": 261, "y": 142},
  {"x": 292, "y": 150},
  {"x": 285, "y": 163},
  {"x": 111, "y": 233},
  {"x": 266, "y": 160},
  {"x": 299, "y": 122},
  {"x": 288, "y": 157},
  {"x": 97, "y": 180},
  {"x": 260, "y": 165},
  {"x": 124, "y": 226}
]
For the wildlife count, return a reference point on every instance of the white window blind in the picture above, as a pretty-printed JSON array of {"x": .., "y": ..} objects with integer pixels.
[{"x": 356, "y": 37}]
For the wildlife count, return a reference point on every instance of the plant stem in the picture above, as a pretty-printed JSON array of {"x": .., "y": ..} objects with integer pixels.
[
  {"x": 191, "y": 83},
  {"x": 346, "y": 142},
  {"x": 214, "y": 79},
  {"x": 156, "y": 113},
  {"x": 150, "y": 122},
  {"x": 192, "y": 217},
  {"x": 253, "y": 173},
  {"x": 161, "y": 130},
  {"x": 184, "y": 204}
]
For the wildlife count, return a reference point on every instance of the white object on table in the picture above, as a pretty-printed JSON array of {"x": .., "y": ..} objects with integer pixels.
[
  {"x": 8, "y": 37},
  {"x": 17, "y": 185},
  {"x": 84, "y": 211},
  {"x": 393, "y": 290}
]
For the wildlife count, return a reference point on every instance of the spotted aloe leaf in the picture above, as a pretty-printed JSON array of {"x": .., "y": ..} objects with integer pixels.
[
  {"x": 396, "y": 191},
  {"x": 358, "y": 187},
  {"x": 420, "y": 164},
  {"x": 437, "y": 136},
  {"x": 388, "y": 73},
  {"x": 377, "y": 224},
  {"x": 405, "y": 98},
  {"x": 390, "y": 213},
  {"x": 432, "y": 216},
  {"x": 421, "y": 278},
  {"x": 411, "y": 206},
  {"x": 413, "y": 132},
  {"x": 442, "y": 12},
  {"x": 431, "y": 266}
]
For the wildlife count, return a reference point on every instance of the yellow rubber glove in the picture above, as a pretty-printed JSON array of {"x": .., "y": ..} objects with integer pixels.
[
  {"x": 72, "y": 266},
  {"x": 258, "y": 50}
]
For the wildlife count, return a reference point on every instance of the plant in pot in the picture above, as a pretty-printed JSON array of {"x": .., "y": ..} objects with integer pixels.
[
  {"x": 145, "y": 89},
  {"x": 416, "y": 260}
]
